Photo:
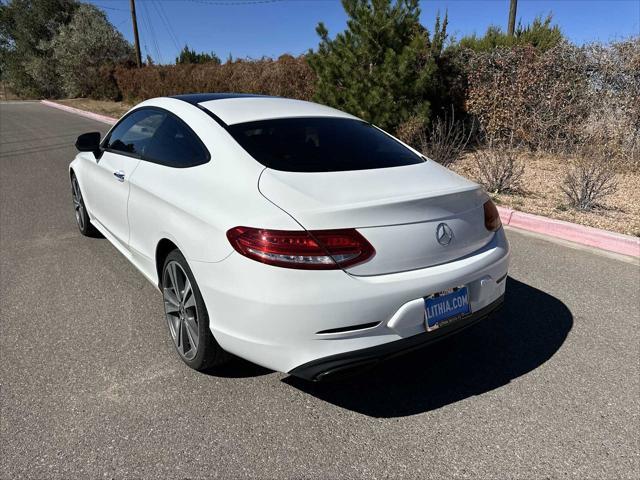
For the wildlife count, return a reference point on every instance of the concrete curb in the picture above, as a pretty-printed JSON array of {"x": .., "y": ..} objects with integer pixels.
[
  {"x": 84, "y": 113},
  {"x": 593, "y": 237}
]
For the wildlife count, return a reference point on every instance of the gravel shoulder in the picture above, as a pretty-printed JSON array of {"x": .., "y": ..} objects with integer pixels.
[{"x": 541, "y": 195}]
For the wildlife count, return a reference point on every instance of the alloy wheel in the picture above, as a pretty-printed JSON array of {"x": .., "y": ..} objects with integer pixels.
[
  {"x": 180, "y": 310},
  {"x": 78, "y": 203}
]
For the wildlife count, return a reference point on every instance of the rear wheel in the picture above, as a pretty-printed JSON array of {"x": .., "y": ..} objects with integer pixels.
[
  {"x": 82, "y": 216},
  {"x": 187, "y": 316}
]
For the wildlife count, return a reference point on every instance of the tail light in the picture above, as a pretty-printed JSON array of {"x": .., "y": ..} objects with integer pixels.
[
  {"x": 491, "y": 216},
  {"x": 312, "y": 250}
]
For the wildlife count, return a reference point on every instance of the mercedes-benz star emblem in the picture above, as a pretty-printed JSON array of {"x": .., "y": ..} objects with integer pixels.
[{"x": 444, "y": 234}]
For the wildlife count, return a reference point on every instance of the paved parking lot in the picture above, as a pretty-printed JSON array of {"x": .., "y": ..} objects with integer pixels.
[{"x": 90, "y": 385}]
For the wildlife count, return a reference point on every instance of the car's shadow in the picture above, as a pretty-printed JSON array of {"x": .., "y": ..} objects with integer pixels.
[
  {"x": 529, "y": 329},
  {"x": 238, "y": 367}
]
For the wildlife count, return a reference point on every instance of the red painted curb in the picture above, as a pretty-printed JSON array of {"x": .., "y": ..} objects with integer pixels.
[
  {"x": 593, "y": 237},
  {"x": 84, "y": 113}
]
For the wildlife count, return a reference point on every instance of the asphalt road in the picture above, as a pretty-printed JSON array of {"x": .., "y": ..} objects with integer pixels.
[{"x": 91, "y": 386}]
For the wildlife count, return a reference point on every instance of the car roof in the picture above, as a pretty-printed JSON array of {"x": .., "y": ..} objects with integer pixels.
[{"x": 232, "y": 108}]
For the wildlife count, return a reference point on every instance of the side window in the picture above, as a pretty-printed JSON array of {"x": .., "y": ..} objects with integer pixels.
[
  {"x": 133, "y": 135},
  {"x": 175, "y": 145}
]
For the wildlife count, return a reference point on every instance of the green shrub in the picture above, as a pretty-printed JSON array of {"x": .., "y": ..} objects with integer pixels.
[
  {"x": 27, "y": 29},
  {"x": 381, "y": 68},
  {"x": 540, "y": 34},
  {"x": 53, "y": 48},
  {"x": 188, "y": 55},
  {"x": 84, "y": 50}
]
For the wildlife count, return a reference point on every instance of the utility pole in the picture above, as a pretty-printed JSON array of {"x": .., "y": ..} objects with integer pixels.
[
  {"x": 512, "y": 17},
  {"x": 136, "y": 40}
]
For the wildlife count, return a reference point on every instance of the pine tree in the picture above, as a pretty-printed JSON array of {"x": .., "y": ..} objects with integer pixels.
[
  {"x": 188, "y": 56},
  {"x": 541, "y": 34},
  {"x": 381, "y": 67}
]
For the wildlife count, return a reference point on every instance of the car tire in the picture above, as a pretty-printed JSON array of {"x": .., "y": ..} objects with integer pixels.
[
  {"x": 82, "y": 216},
  {"x": 187, "y": 317}
]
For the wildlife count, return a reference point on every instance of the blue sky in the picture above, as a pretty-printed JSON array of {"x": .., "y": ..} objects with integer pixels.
[{"x": 256, "y": 28}]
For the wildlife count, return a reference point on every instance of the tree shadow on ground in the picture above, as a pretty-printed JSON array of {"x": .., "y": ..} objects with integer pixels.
[{"x": 530, "y": 329}]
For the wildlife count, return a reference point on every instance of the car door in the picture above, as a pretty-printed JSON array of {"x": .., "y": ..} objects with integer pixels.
[
  {"x": 108, "y": 182},
  {"x": 168, "y": 191}
]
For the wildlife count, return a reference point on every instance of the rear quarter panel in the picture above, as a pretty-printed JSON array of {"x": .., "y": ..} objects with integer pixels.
[{"x": 194, "y": 207}]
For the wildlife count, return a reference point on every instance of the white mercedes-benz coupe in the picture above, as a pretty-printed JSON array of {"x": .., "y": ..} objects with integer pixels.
[{"x": 288, "y": 233}]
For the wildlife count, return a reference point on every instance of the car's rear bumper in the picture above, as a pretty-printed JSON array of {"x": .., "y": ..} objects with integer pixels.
[
  {"x": 337, "y": 365},
  {"x": 284, "y": 318}
]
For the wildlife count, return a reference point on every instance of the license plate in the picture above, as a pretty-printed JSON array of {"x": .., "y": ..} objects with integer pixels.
[{"x": 445, "y": 307}]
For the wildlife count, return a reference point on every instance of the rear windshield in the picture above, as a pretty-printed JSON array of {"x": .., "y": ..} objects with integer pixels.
[{"x": 321, "y": 145}]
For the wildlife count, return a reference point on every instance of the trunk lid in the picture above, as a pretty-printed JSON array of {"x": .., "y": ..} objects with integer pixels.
[{"x": 396, "y": 209}]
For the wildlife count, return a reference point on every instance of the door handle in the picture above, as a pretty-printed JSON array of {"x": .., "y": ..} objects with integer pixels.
[{"x": 119, "y": 174}]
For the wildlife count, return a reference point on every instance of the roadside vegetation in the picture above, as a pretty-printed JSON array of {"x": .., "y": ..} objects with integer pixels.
[{"x": 547, "y": 126}]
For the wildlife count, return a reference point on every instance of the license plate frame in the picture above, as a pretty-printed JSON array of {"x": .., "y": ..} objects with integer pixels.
[{"x": 445, "y": 307}]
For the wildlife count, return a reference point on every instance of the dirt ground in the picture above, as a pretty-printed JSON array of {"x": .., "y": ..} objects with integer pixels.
[
  {"x": 103, "y": 107},
  {"x": 6, "y": 94},
  {"x": 540, "y": 194}
]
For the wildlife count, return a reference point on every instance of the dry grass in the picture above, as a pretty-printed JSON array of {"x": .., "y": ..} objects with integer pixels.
[
  {"x": 103, "y": 107},
  {"x": 287, "y": 76},
  {"x": 541, "y": 194},
  {"x": 499, "y": 169},
  {"x": 446, "y": 140}
]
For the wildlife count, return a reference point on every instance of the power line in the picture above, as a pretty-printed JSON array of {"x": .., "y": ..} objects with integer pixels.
[
  {"x": 167, "y": 25},
  {"x": 121, "y": 22},
  {"x": 154, "y": 36},
  {"x": 164, "y": 18},
  {"x": 164, "y": 14},
  {"x": 151, "y": 31},
  {"x": 110, "y": 8}
]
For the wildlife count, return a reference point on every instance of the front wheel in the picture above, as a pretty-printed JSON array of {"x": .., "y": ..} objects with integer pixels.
[
  {"x": 187, "y": 316},
  {"x": 82, "y": 216}
]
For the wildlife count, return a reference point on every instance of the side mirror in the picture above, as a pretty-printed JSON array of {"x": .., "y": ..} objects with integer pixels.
[{"x": 89, "y": 142}]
